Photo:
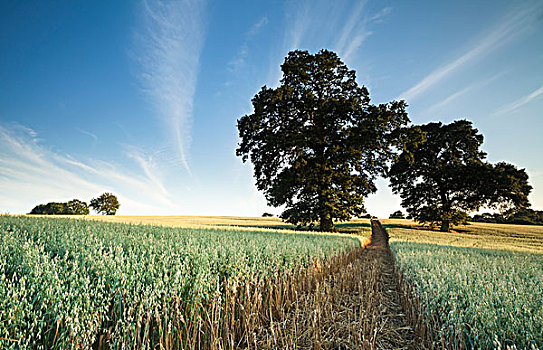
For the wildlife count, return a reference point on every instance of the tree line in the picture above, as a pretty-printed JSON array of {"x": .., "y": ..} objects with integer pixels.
[
  {"x": 522, "y": 217},
  {"x": 317, "y": 144},
  {"x": 106, "y": 204}
]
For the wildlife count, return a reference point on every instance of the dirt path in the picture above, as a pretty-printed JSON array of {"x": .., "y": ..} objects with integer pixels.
[
  {"x": 396, "y": 334},
  {"x": 357, "y": 306}
]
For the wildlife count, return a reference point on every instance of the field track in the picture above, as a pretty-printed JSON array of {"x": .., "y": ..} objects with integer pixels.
[
  {"x": 356, "y": 307},
  {"x": 397, "y": 333}
]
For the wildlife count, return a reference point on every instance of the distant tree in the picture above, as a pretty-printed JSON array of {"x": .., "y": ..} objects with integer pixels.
[
  {"x": 526, "y": 217},
  {"x": 73, "y": 207},
  {"x": 366, "y": 216},
  {"x": 521, "y": 217},
  {"x": 38, "y": 209},
  {"x": 445, "y": 177},
  {"x": 397, "y": 215},
  {"x": 267, "y": 215},
  {"x": 488, "y": 217},
  {"x": 51, "y": 208},
  {"x": 316, "y": 142},
  {"x": 106, "y": 204},
  {"x": 77, "y": 207}
]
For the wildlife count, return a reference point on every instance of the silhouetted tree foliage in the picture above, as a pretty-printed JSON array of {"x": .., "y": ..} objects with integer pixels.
[
  {"x": 397, "y": 215},
  {"x": 106, "y": 204},
  {"x": 77, "y": 207},
  {"x": 444, "y": 177},
  {"x": 522, "y": 217},
  {"x": 73, "y": 207},
  {"x": 267, "y": 215},
  {"x": 316, "y": 142}
]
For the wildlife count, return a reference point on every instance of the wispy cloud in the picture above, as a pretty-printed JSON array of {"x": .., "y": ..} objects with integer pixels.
[
  {"x": 462, "y": 92},
  {"x": 340, "y": 26},
  {"x": 353, "y": 32},
  {"x": 33, "y": 174},
  {"x": 168, "y": 50},
  {"x": 255, "y": 29},
  {"x": 88, "y": 133},
  {"x": 237, "y": 63},
  {"x": 513, "y": 106},
  {"x": 516, "y": 23},
  {"x": 150, "y": 169}
]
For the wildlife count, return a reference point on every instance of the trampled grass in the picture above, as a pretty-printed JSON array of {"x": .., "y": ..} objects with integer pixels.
[
  {"x": 76, "y": 283},
  {"x": 476, "y": 298}
]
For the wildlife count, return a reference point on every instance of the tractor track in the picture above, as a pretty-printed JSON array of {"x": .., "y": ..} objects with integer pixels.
[
  {"x": 356, "y": 306},
  {"x": 397, "y": 332}
]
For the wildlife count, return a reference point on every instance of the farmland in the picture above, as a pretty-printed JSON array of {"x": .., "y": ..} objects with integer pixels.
[
  {"x": 73, "y": 283},
  {"x": 359, "y": 226},
  {"x": 234, "y": 282},
  {"x": 480, "y": 287},
  {"x": 520, "y": 238}
]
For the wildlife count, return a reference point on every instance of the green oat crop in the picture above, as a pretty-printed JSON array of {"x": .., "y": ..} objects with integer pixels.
[
  {"x": 68, "y": 284},
  {"x": 476, "y": 298}
]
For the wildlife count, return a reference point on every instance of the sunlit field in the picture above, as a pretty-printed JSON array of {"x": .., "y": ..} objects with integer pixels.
[
  {"x": 68, "y": 283},
  {"x": 521, "y": 238},
  {"x": 197, "y": 221},
  {"x": 359, "y": 227},
  {"x": 472, "y": 297},
  {"x": 189, "y": 281}
]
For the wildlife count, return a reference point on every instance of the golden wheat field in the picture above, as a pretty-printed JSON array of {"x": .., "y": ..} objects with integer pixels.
[{"x": 520, "y": 238}]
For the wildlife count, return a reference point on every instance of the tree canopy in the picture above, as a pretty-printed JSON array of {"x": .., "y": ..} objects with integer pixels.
[
  {"x": 73, "y": 207},
  {"x": 397, "y": 215},
  {"x": 445, "y": 176},
  {"x": 316, "y": 142},
  {"x": 107, "y": 204}
]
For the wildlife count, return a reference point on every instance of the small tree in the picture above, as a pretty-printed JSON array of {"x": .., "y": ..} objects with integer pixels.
[
  {"x": 397, "y": 215},
  {"x": 77, "y": 207},
  {"x": 444, "y": 177},
  {"x": 106, "y": 204},
  {"x": 316, "y": 142}
]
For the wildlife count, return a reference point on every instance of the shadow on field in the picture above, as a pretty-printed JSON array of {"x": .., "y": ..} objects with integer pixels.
[
  {"x": 353, "y": 225},
  {"x": 353, "y": 228}
]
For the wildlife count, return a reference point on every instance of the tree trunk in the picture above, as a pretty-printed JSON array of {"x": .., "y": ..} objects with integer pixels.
[
  {"x": 445, "y": 226},
  {"x": 326, "y": 223}
]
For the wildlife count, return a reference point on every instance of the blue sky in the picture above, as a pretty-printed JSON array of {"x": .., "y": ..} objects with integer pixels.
[{"x": 141, "y": 98}]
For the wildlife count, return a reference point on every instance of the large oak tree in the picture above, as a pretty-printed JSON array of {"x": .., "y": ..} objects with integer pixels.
[
  {"x": 316, "y": 142},
  {"x": 445, "y": 177}
]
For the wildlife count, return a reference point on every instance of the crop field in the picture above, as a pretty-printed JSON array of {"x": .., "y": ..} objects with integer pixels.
[
  {"x": 67, "y": 284},
  {"x": 358, "y": 226},
  {"x": 476, "y": 297},
  {"x": 232, "y": 282},
  {"x": 521, "y": 238},
  {"x": 484, "y": 297},
  {"x": 197, "y": 221}
]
